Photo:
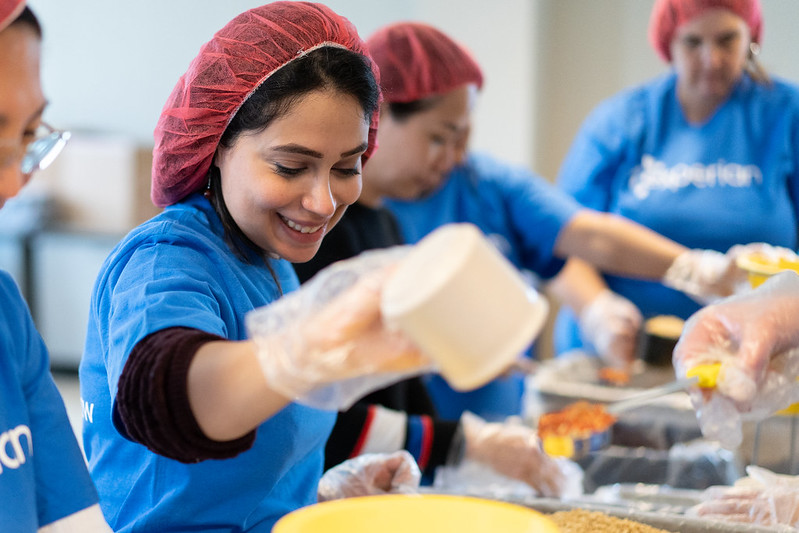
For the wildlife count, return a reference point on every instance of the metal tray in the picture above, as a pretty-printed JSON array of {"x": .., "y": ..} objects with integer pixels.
[
  {"x": 668, "y": 518},
  {"x": 669, "y": 522}
]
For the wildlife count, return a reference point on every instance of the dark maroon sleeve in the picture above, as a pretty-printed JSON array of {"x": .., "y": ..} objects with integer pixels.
[{"x": 152, "y": 403}]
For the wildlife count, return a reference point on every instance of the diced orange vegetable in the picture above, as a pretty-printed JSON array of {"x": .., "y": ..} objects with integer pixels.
[
  {"x": 578, "y": 420},
  {"x": 614, "y": 376}
]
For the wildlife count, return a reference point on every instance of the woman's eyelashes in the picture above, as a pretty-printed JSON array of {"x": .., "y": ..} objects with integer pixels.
[
  {"x": 349, "y": 171},
  {"x": 291, "y": 172},
  {"x": 288, "y": 171}
]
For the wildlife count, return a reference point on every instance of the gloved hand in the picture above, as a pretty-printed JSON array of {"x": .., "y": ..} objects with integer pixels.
[
  {"x": 325, "y": 344},
  {"x": 755, "y": 337},
  {"x": 610, "y": 323},
  {"x": 513, "y": 450},
  {"x": 762, "y": 498},
  {"x": 707, "y": 275},
  {"x": 371, "y": 473}
]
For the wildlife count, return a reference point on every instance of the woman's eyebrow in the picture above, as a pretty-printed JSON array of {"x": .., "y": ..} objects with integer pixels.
[
  {"x": 297, "y": 149},
  {"x": 358, "y": 149},
  {"x": 302, "y": 150}
]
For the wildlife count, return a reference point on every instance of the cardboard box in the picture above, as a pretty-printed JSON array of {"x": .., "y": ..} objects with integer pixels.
[{"x": 100, "y": 183}]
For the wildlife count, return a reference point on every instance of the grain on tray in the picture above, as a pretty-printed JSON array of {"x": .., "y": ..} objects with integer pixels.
[{"x": 582, "y": 521}]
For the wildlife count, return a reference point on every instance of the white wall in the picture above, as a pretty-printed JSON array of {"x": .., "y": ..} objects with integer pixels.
[{"x": 110, "y": 65}]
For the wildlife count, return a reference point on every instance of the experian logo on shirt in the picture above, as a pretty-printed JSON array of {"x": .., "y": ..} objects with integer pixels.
[
  {"x": 12, "y": 454},
  {"x": 654, "y": 175}
]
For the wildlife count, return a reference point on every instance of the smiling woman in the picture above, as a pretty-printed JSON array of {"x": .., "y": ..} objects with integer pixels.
[
  {"x": 258, "y": 152},
  {"x": 287, "y": 185},
  {"x": 23, "y": 100}
]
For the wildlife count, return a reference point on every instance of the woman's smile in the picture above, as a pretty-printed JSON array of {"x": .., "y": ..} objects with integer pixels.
[{"x": 300, "y": 227}]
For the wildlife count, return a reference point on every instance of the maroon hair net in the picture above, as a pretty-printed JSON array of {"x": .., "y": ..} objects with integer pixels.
[
  {"x": 10, "y": 10},
  {"x": 229, "y": 67},
  {"x": 668, "y": 15},
  {"x": 417, "y": 61}
]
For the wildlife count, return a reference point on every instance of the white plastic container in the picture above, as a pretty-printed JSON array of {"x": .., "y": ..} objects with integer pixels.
[{"x": 464, "y": 304}]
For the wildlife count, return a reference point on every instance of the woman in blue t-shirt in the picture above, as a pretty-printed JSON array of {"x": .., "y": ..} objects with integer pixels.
[
  {"x": 258, "y": 152},
  {"x": 423, "y": 173},
  {"x": 49, "y": 490},
  {"x": 705, "y": 154}
]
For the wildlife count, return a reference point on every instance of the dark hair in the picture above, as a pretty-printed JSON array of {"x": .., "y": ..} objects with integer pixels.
[
  {"x": 401, "y": 111},
  {"x": 27, "y": 17},
  {"x": 328, "y": 67}
]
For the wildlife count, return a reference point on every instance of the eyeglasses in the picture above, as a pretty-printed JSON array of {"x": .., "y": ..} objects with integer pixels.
[{"x": 37, "y": 154}]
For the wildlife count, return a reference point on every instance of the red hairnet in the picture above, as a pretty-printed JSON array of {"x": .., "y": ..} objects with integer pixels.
[
  {"x": 10, "y": 10},
  {"x": 229, "y": 67},
  {"x": 417, "y": 61},
  {"x": 668, "y": 15}
]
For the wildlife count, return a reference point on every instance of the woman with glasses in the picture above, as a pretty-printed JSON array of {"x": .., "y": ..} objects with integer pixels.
[{"x": 49, "y": 490}]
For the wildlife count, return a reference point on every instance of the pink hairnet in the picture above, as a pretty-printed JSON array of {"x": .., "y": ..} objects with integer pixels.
[
  {"x": 10, "y": 10},
  {"x": 229, "y": 67},
  {"x": 668, "y": 15},
  {"x": 417, "y": 61}
]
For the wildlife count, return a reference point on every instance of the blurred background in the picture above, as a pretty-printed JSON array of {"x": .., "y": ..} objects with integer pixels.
[{"x": 109, "y": 66}]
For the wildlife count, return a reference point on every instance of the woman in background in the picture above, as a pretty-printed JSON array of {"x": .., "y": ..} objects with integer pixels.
[
  {"x": 704, "y": 154},
  {"x": 49, "y": 490},
  {"x": 403, "y": 416},
  {"x": 424, "y": 174},
  {"x": 258, "y": 152}
]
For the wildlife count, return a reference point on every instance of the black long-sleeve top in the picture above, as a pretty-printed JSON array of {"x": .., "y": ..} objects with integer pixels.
[{"x": 401, "y": 416}]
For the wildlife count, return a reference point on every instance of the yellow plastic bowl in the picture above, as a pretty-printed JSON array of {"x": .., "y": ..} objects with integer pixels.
[
  {"x": 760, "y": 267},
  {"x": 424, "y": 513}
]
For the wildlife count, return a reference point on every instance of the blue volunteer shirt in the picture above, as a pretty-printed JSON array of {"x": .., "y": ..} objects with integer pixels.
[
  {"x": 732, "y": 179},
  {"x": 43, "y": 476},
  {"x": 177, "y": 270},
  {"x": 522, "y": 215}
]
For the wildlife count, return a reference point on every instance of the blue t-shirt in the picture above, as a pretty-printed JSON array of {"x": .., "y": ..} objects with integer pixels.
[
  {"x": 522, "y": 215},
  {"x": 177, "y": 270},
  {"x": 730, "y": 180},
  {"x": 43, "y": 476}
]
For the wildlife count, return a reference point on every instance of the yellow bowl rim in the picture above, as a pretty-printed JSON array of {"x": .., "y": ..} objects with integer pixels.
[
  {"x": 746, "y": 262},
  {"x": 356, "y": 501}
]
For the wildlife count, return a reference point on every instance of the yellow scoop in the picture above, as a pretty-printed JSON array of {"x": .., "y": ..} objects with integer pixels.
[
  {"x": 704, "y": 376},
  {"x": 707, "y": 375}
]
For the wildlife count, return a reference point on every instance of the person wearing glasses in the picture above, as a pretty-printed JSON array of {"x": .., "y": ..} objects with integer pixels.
[{"x": 49, "y": 490}]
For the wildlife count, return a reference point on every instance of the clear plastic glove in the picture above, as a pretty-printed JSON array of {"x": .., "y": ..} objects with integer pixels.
[
  {"x": 755, "y": 337},
  {"x": 762, "y": 498},
  {"x": 325, "y": 344},
  {"x": 707, "y": 275},
  {"x": 610, "y": 323},
  {"x": 369, "y": 474},
  {"x": 513, "y": 450}
]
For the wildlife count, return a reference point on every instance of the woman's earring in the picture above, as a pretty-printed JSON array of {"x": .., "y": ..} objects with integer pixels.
[{"x": 207, "y": 191}]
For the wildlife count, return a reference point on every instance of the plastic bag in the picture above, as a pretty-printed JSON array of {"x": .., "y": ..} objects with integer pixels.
[
  {"x": 755, "y": 337},
  {"x": 369, "y": 474},
  {"x": 325, "y": 345}
]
